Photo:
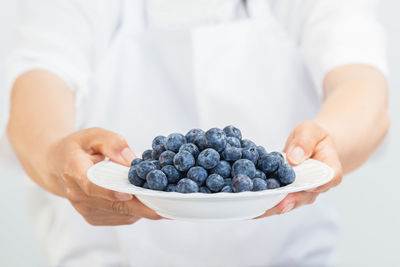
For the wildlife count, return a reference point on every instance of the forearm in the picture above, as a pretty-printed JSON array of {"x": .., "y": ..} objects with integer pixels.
[
  {"x": 42, "y": 112},
  {"x": 355, "y": 112}
]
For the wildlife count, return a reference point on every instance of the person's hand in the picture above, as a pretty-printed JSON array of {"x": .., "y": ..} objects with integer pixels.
[
  {"x": 68, "y": 161},
  {"x": 308, "y": 140}
]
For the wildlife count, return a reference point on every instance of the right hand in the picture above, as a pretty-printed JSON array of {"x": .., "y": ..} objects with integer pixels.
[{"x": 68, "y": 161}]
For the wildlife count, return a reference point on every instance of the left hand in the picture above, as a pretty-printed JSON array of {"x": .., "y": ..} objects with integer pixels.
[{"x": 308, "y": 140}]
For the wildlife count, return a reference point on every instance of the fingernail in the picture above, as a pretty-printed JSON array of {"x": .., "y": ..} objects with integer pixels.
[
  {"x": 127, "y": 154},
  {"x": 297, "y": 155},
  {"x": 288, "y": 207},
  {"x": 122, "y": 196}
]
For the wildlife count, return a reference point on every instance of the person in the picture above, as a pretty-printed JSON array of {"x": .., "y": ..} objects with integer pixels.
[{"x": 90, "y": 77}]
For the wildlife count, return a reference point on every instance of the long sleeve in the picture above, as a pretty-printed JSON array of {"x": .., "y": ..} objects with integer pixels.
[
  {"x": 65, "y": 37},
  {"x": 331, "y": 33}
]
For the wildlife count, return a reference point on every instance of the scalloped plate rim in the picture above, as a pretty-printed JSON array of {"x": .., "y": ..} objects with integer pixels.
[{"x": 135, "y": 190}]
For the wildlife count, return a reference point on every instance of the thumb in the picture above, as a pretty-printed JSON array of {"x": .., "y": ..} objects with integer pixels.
[
  {"x": 112, "y": 145},
  {"x": 302, "y": 142}
]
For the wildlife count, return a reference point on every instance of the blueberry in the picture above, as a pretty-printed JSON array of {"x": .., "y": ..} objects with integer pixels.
[
  {"x": 186, "y": 185},
  {"x": 173, "y": 175},
  {"x": 216, "y": 139},
  {"x": 158, "y": 141},
  {"x": 259, "y": 184},
  {"x": 227, "y": 189},
  {"x": 191, "y": 148},
  {"x": 172, "y": 188},
  {"x": 136, "y": 161},
  {"x": 232, "y": 153},
  {"x": 233, "y": 141},
  {"x": 286, "y": 174},
  {"x": 228, "y": 181},
  {"x": 132, "y": 171},
  {"x": 197, "y": 174},
  {"x": 232, "y": 131},
  {"x": 269, "y": 163},
  {"x": 166, "y": 158},
  {"x": 174, "y": 142},
  {"x": 208, "y": 158},
  {"x": 157, "y": 150},
  {"x": 183, "y": 161},
  {"x": 215, "y": 182},
  {"x": 272, "y": 183},
  {"x": 192, "y": 134},
  {"x": 157, "y": 163},
  {"x": 205, "y": 190},
  {"x": 134, "y": 177},
  {"x": 157, "y": 180},
  {"x": 144, "y": 167},
  {"x": 223, "y": 168},
  {"x": 278, "y": 154},
  {"x": 260, "y": 174},
  {"x": 243, "y": 166},
  {"x": 146, "y": 185},
  {"x": 273, "y": 175},
  {"x": 242, "y": 183},
  {"x": 246, "y": 143},
  {"x": 261, "y": 151},
  {"x": 146, "y": 155},
  {"x": 201, "y": 141},
  {"x": 250, "y": 154}
]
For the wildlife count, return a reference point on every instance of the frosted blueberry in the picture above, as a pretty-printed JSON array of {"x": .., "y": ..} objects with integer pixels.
[
  {"x": 242, "y": 183},
  {"x": 183, "y": 161},
  {"x": 232, "y": 131},
  {"x": 208, "y": 158},
  {"x": 186, "y": 185},
  {"x": 215, "y": 182},
  {"x": 157, "y": 180},
  {"x": 216, "y": 139}
]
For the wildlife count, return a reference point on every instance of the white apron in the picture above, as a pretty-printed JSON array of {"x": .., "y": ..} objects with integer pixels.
[{"x": 246, "y": 72}]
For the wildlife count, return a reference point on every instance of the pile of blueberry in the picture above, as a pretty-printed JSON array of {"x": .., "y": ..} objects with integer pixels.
[{"x": 209, "y": 162}]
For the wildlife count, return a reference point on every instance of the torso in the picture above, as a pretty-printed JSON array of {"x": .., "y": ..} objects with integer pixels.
[{"x": 240, "y": 70}]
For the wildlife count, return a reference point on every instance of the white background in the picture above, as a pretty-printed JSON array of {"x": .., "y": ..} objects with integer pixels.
[{"x": 368, "y": 199}]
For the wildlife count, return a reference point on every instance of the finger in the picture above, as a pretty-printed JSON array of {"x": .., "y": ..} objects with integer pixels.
[
  {"x": 327, "y": 154},
  {"x": 107, "y": 143},
  {"x": 304, "y": 198},
  {"x": 111, "y": 222},
  {"x": 100, "y": 215},
  {"x": 302, "y": 141},
  {"x": 132, "y": 207},
  {"x": 108, "y": 219},
  {"x": 284, "y": 206},
  {"x": 290, "y": 202},
  {"x": 95, "y": 158},
  {"x": 81, "y": 163}
]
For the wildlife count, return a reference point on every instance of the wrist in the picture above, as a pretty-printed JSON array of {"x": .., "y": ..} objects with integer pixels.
[
  {"x": 49, "y": 168},
  {"x": 35, "y": 156}
]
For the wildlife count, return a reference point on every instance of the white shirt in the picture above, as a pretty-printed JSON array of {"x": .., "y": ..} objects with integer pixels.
[
  {"x": 72, "y": 39},
  {"x": 69, "y": 37}
]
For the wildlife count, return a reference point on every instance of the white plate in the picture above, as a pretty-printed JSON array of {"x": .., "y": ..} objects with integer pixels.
[{"x": 209, "y": 207}]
